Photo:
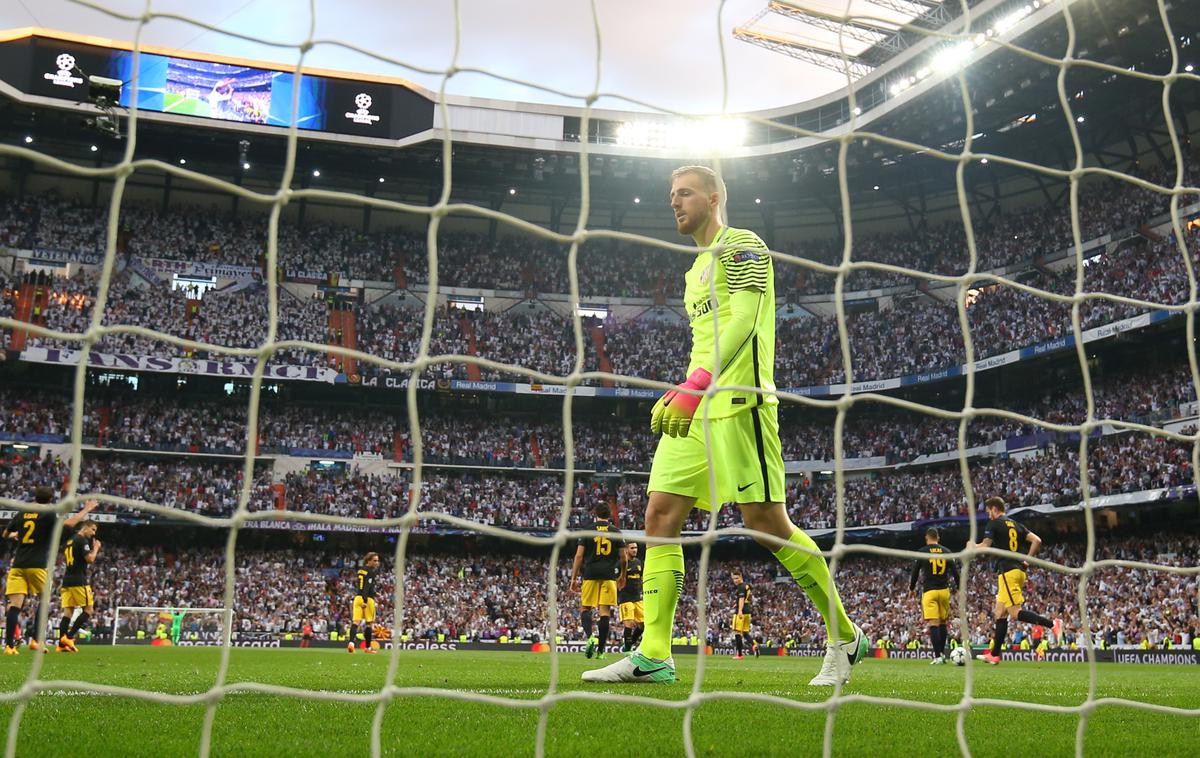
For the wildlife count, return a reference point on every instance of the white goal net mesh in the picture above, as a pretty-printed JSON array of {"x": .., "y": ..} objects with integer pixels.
[{"x": 438, "y": 211}]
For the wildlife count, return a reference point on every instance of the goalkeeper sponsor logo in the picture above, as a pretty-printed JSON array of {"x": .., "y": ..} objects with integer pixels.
[{"x": 702, "y": 308}]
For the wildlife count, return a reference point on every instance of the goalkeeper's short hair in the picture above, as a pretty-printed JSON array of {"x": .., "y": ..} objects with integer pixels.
[{"x": 708, "y": 177}]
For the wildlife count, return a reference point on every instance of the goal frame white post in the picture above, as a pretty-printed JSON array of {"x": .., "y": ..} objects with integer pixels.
[{"x": 227, "y": 613}]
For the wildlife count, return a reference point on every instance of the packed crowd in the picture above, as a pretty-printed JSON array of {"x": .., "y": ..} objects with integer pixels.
[
  {"x": 910, "y": 337},
  {"x": 526, "y": 262},
  {"x": 1016, "y": 236},
  {"x": 496, "y": 595},
  {"x": 513, "y": 502},
  {"x": 924, "y": 335},
  {"x": 1119, "y": 463},
  {"x": 1149, "y": 394},
  {"x": 209, "y": 488},
  {"x": 1116, "y": 464},
  {"x": 124, "y": 422},
  {"x": 232, "y": 319}
]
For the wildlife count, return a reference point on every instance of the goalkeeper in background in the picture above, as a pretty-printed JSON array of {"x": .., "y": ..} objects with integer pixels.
[
  {"x": 732, "y": 275},
  {"x": 177, "y": 625}
]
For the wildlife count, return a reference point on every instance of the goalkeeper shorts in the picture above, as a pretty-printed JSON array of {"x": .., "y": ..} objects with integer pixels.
[{"x": 746, "y": 454}]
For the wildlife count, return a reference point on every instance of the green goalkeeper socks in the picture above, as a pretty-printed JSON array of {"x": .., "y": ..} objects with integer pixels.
[
  {"x": 812, "y": 574},
  {"x": 662, "y": 581}
]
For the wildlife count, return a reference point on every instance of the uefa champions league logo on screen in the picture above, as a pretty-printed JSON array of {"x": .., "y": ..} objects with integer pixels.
[
  {"x": 64, "y": 77},
  {"x": 363, "y": 115}
]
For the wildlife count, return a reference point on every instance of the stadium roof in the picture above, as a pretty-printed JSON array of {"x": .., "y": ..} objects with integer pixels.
[
  {"x": 548, "y": 42},
  {"x": 1015, "y": 112}
]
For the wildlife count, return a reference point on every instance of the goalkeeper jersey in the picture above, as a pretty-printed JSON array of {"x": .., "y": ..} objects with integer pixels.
[{"x": 743, "y": 264}]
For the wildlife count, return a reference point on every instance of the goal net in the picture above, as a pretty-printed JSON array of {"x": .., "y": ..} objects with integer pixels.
[
  {"x": 188, "y": 627},
  {"x": 850, "y": 143}
]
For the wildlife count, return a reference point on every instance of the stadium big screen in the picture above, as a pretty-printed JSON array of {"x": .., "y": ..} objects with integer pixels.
[{"x": 218, "y": 90}]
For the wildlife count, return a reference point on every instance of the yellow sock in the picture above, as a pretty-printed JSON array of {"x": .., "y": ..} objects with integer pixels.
[
  {"x": 811, "y": 572},
  {"x": 662, "y": 581}
]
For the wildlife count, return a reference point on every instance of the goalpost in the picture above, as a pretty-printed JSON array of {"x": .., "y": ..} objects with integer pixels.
[
  {"x": 839, "y": 138},
  {"x": 142, "y": 625}
]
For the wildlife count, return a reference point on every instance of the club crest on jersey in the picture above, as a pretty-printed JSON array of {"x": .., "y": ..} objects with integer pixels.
[{"x": 706, "y": 273}]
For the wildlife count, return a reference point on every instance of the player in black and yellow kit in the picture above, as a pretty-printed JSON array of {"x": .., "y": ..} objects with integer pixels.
[
  {"x": 1006, "y": 534},
  {"x": 81, "y": 550},
  {"x": 364, "y": 602},
  {"x": 32, "y": 532},
  {"x": 936, "y": 575},
  {"x": 629, "y": 595},
  {"x": 603, "y": 562},
  {"x": 742, "y": 595}
]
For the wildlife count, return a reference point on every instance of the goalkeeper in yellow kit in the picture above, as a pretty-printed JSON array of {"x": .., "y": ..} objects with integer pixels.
[{"x": 743, "y": 440}]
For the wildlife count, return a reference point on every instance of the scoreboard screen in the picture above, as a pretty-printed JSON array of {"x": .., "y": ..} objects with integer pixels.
[
  {"x": 218, "y": 90},
  {"x": 226, "y": 91}
]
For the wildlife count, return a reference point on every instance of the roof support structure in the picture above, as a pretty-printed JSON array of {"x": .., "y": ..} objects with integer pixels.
[
  {"x": 810, "y": 54},
  {"x": 935, "y": 15},
  {"x": 861, "y": 30}
]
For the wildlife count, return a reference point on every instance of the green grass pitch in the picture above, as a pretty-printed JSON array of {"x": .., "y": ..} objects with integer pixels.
[
  {"x": 173, "y": 102},
  {"x": 58, "y": 722}
]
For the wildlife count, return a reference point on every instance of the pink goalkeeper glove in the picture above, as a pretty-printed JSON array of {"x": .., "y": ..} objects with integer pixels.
[{"x": 672, "y": 414}]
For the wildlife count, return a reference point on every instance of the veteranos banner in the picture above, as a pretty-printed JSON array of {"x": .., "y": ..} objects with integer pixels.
[{"x": 197, "y": 366}]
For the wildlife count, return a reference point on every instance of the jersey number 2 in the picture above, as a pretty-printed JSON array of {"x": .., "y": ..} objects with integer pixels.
[{"x": 27, "y": 538}]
